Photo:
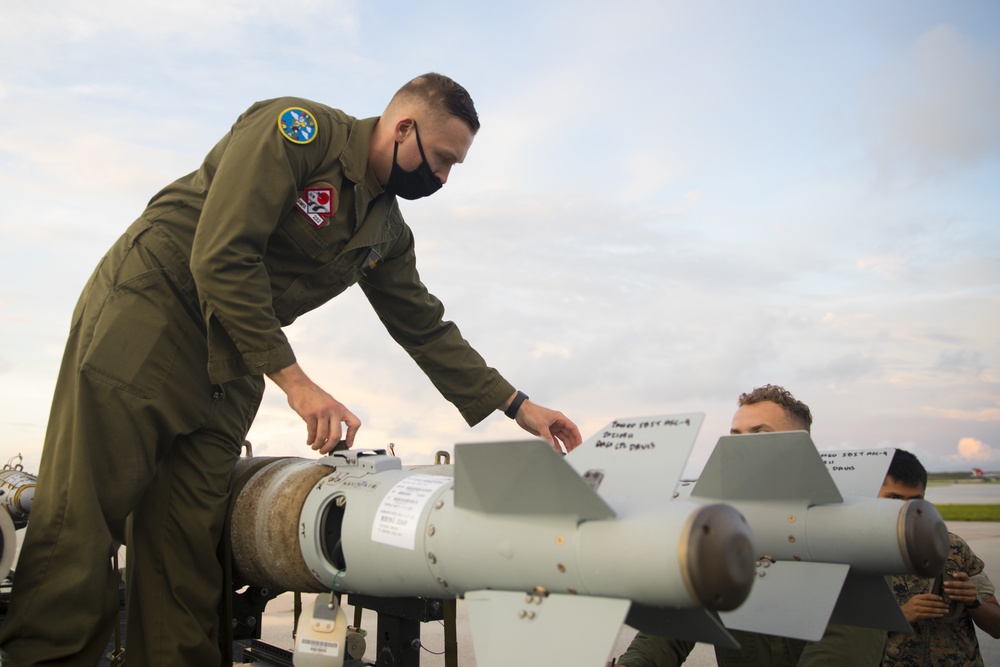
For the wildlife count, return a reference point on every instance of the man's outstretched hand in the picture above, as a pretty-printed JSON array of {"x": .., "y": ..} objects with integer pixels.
[{"x": 551, "y": 425}]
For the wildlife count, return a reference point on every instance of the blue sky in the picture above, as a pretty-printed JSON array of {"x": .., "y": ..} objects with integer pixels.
[{"x": 668, "y": 204}]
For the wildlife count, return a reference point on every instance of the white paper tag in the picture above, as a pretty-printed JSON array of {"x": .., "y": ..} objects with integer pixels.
[{"x": 396, "y": 519}]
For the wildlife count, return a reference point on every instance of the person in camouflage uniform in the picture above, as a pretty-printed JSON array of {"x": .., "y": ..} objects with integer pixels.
[{"x": 943, "y": 611}]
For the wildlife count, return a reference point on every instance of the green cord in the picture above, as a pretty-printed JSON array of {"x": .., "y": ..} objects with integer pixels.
[{"x": 333, "y": 586}]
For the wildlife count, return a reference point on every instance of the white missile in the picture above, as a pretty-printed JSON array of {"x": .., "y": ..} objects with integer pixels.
[
  {"x": 17, "y": 490},
  {"x": 542, "y": 559},
  {"x": 821, "y": 556},
  {"x": 541, "y": 545}
]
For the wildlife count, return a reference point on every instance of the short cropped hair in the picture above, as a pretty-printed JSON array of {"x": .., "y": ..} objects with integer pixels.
[
  {"x": 797, "y": 410},
  {"x": 441, "y": 93},
  {"x": 906, "y": 469}
]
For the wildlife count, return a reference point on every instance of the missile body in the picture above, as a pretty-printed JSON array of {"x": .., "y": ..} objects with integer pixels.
[
  {"x": 515, "y": 529},
  {"x": 540, "y": 545},
  {"x": 367, "y": 525},
  {"x": 17, "y": 489},
  {"x": 813, "y": 544}
]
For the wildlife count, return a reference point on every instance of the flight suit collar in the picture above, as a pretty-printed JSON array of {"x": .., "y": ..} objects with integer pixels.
[
  {"x": 378, "y": 216},
  {"x": 354, "y": 158}
]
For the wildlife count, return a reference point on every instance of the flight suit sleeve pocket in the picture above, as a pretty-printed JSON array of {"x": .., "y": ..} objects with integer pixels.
[{"x": 138, "y": 334}]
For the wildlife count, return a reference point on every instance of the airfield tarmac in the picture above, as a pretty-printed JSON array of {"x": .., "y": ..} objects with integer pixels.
[{"x": 983, "y": 537}]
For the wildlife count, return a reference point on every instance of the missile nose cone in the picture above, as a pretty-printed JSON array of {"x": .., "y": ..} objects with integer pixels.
[
  {"x": 717, "y": 557},
  {"x": 923, "y": 538}
]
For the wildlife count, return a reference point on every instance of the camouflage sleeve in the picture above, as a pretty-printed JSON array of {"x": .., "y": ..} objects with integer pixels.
[
  {"x": 654, "y": 651},
  {"x": 984, "y": 586},
  {"x": 963, "y": 558},
  {"x": 845, "y": 645}
]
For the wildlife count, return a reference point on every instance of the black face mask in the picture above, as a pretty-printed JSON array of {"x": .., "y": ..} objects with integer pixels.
[{"x": 412, "y": 184}]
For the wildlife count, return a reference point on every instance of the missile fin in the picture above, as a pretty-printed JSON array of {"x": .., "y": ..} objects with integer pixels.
[
  {"x": 772, "y": 605},
  {"x": 867, "y": 600},
  {"x": 638, "y": 456},
  {"x": 767, "y": 466},
  {"x": 559, "y": 630},
  {"x": 695, "y": 625},
  {"x": 525, "y": 478},
  {"x": 859, "y": 472}
]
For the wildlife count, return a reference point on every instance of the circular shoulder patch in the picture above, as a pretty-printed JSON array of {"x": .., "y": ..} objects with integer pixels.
[{"x": 297, "y": 125}]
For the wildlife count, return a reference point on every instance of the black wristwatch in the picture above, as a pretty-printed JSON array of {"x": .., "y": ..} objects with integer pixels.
[{"x": 515, "y": 405}]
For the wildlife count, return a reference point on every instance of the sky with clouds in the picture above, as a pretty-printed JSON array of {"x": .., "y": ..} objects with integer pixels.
[{"x": 669, "y": 203}]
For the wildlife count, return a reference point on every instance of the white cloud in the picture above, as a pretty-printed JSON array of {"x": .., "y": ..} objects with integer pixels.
[{"x": 971, "y": 449}]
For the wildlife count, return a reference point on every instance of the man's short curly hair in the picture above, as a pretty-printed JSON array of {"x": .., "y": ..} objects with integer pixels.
[{"x": 797, "y": 410}]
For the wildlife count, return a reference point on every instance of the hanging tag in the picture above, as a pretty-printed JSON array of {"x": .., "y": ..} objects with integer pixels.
[{"x": 322, "y": 635}]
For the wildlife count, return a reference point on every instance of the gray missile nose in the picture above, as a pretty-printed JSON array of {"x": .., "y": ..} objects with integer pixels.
[
  {"x": 923, "y": 538},
  {"x": 717, "y": 557}
]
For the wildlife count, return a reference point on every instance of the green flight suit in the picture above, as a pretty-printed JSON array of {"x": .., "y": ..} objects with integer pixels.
[
  {"x": 162, "y": 377},
  {"x": 840, "y": 646}
]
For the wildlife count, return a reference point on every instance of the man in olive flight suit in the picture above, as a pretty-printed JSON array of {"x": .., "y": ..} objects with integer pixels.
[{"x": 168, "y": 346}]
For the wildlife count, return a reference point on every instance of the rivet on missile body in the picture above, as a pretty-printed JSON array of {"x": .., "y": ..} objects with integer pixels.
[
  {"x": 761, "y": 573},
  {"x": 430, "y": 529},
  {"x": 571, "y": 590},
  {"x": 791, "y": 538},
  {"x": 340, "y": 501},
  {"x": 561, "y": 568},
  {"x": 791, "y": 518},
  {"x": 522, "y": 613},
  {"x": 439, "y": 504},
  {"x": 432, "y": 558},
  {"x": 442, "y": 582},
  {"x": 560, "y": 540}
]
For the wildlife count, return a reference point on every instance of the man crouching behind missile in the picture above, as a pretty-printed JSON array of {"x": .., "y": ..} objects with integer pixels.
[
  {"x": 768, "y": 409},
  {"x": 173, "y": 335},
  {"x": 943, "y": 611}
]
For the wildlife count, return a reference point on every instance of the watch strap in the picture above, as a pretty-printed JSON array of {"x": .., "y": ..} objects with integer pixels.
[{"x": 515, "y": 405}]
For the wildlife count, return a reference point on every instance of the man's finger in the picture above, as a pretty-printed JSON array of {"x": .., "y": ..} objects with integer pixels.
[{"x": 352, "y": 429}]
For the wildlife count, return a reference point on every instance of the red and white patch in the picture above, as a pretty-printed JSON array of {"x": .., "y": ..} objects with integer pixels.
[
  {"x": 318, "y": 204},
  {"x": 320, "y": 201}
]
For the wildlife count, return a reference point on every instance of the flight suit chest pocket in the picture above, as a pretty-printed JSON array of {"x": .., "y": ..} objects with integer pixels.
[{"x": 319, "y": 222}]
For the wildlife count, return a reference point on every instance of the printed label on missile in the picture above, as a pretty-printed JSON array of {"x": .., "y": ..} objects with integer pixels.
[{"x": 395, "y": 521}]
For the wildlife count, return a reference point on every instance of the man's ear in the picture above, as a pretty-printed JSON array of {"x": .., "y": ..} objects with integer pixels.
[{"x": 404, "y": 124}]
